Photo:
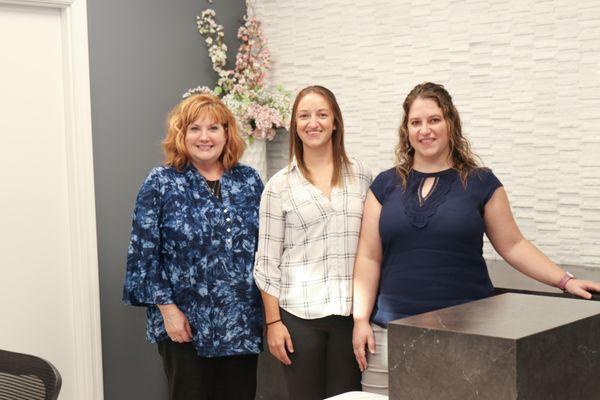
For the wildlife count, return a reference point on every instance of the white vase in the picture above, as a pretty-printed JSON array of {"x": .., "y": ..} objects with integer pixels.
[{"x": 256, "y": 156}]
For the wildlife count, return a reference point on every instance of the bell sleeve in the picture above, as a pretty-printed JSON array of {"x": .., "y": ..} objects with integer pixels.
[{"x": 146, "y": 283}]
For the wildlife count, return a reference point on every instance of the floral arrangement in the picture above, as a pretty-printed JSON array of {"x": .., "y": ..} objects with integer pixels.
[{"x": 259, "y": 110}]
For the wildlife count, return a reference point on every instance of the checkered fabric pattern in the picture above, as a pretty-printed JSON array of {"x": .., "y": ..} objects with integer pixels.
[{"x": 307, "y": 242}]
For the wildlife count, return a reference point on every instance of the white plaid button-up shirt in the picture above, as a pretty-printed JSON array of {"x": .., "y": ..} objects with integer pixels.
[{"x": 307, "y": 243}]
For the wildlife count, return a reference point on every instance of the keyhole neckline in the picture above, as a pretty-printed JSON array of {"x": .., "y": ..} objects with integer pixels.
[{"x": 437, "y": 173}]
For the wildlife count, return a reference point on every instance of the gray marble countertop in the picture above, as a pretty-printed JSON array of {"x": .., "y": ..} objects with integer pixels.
[
  {"x": 509, "y": 316},
  {"x": 506, "y": 278}
]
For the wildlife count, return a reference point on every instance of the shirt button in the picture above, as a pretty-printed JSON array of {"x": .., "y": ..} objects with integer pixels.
[
  {"x": 225, "y": 211},
  {"x": 228, "y": 230},
  {"x": 228, "y": 220}
]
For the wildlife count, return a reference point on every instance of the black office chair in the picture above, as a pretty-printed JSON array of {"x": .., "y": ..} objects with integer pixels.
[{"x": 25, "y": 377}]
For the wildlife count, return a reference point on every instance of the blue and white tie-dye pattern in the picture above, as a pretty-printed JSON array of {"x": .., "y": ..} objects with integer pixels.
[{"x": 193, "y": 250}]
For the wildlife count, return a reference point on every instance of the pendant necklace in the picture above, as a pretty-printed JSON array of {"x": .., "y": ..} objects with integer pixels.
[{"x": 214, "y": 187}]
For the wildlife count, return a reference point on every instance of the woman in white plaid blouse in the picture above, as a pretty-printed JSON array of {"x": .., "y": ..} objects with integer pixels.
[{"x": 310, "y": 217}]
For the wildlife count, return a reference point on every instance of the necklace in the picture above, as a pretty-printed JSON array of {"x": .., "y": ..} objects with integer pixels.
[{"x": 214, "y": 187}]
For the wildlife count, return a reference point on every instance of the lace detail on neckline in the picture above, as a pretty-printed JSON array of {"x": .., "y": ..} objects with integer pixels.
[
  {"x": 419, "y": 212},
  {"x": 423, "y": 199}
]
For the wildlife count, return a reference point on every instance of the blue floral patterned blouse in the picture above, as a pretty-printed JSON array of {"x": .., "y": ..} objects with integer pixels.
[{"x": 193, "y": 250}]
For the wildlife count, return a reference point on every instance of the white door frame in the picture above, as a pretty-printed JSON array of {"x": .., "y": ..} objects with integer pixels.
[{"x": 83, "y": 258}]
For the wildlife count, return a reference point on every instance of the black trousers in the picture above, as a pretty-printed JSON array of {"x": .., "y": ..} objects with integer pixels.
[
  {"x": 191, "y": 377},
  {"x": 323, "y": 363}
]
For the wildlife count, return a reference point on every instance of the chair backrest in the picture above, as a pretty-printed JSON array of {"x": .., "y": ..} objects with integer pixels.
[{"x": 25, "y": 377}]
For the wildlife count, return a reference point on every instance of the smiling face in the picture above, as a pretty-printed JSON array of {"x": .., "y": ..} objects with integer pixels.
[
  {"x": 204, "y": 141},
  {"x": 314, "y": 121},
  {"x": 428, "y": 134}
]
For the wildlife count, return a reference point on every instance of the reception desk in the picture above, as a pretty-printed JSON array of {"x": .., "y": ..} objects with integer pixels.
[
  {"x": 510, "y": 346},
  {"x": 489, "y": 328}
]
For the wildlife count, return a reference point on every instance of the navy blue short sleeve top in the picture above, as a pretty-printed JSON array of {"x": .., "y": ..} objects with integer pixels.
[{"x": 432, "y": 246}]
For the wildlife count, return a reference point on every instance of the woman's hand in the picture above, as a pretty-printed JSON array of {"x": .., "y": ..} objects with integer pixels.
[
  {"x": 582, "y": 288},
  {"x": 279, "y": 340},
  {"x": 362, "y": 337},
  {"x": 176, "y": 323}
]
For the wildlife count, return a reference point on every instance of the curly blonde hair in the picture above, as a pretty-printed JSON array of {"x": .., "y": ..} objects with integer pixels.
[
  {"x": 463, "y": 159},
  {"x": 188, "y": 111}
]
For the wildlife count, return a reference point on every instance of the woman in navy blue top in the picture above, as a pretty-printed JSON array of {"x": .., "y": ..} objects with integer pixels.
[
  {"x": 420, "y": 247},
  {"x": 191, "y": 254}
]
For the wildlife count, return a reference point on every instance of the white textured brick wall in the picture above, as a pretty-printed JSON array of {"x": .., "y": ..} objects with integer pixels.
[{"x": 525, "y": 76}]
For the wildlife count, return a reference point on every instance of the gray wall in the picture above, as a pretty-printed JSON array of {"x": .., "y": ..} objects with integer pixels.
[
  {"x": 277, "y": 152},
  {"x": 143, "y": 55}
]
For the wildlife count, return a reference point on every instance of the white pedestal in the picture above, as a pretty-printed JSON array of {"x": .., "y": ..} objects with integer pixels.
[{"x": 256, "y": 157}]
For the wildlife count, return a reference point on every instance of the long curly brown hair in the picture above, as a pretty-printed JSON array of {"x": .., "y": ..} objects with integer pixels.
[{"x": 462, "y": 158}]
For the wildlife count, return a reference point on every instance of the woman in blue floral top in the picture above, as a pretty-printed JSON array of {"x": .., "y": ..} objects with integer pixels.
[{"x": 191, "y": 254}]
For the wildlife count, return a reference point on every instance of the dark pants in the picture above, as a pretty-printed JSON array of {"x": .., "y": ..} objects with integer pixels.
[
  {"x": 323, "y": 363},
  {"x": 191, "y": 377}
]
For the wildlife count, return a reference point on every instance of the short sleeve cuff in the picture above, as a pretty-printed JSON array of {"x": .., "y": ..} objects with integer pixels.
[
  {"x": 380, "y": 183},
  {"x": 492, "y": 184}
]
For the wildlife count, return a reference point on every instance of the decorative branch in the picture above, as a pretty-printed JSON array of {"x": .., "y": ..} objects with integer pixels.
[{"x": 258, "y": 110}]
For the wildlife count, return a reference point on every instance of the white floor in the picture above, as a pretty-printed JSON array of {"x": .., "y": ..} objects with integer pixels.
[{"x": 358, "y": 396}]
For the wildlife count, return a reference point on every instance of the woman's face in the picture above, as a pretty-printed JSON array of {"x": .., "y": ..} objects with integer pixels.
[
  {"x": 428, "y": 132},
  {"x": 314, "y": 121},
  {"x": 205, "y": 140}
]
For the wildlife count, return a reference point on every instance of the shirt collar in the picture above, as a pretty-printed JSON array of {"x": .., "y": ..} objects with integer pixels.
[{"x": 190, "y": 171}]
